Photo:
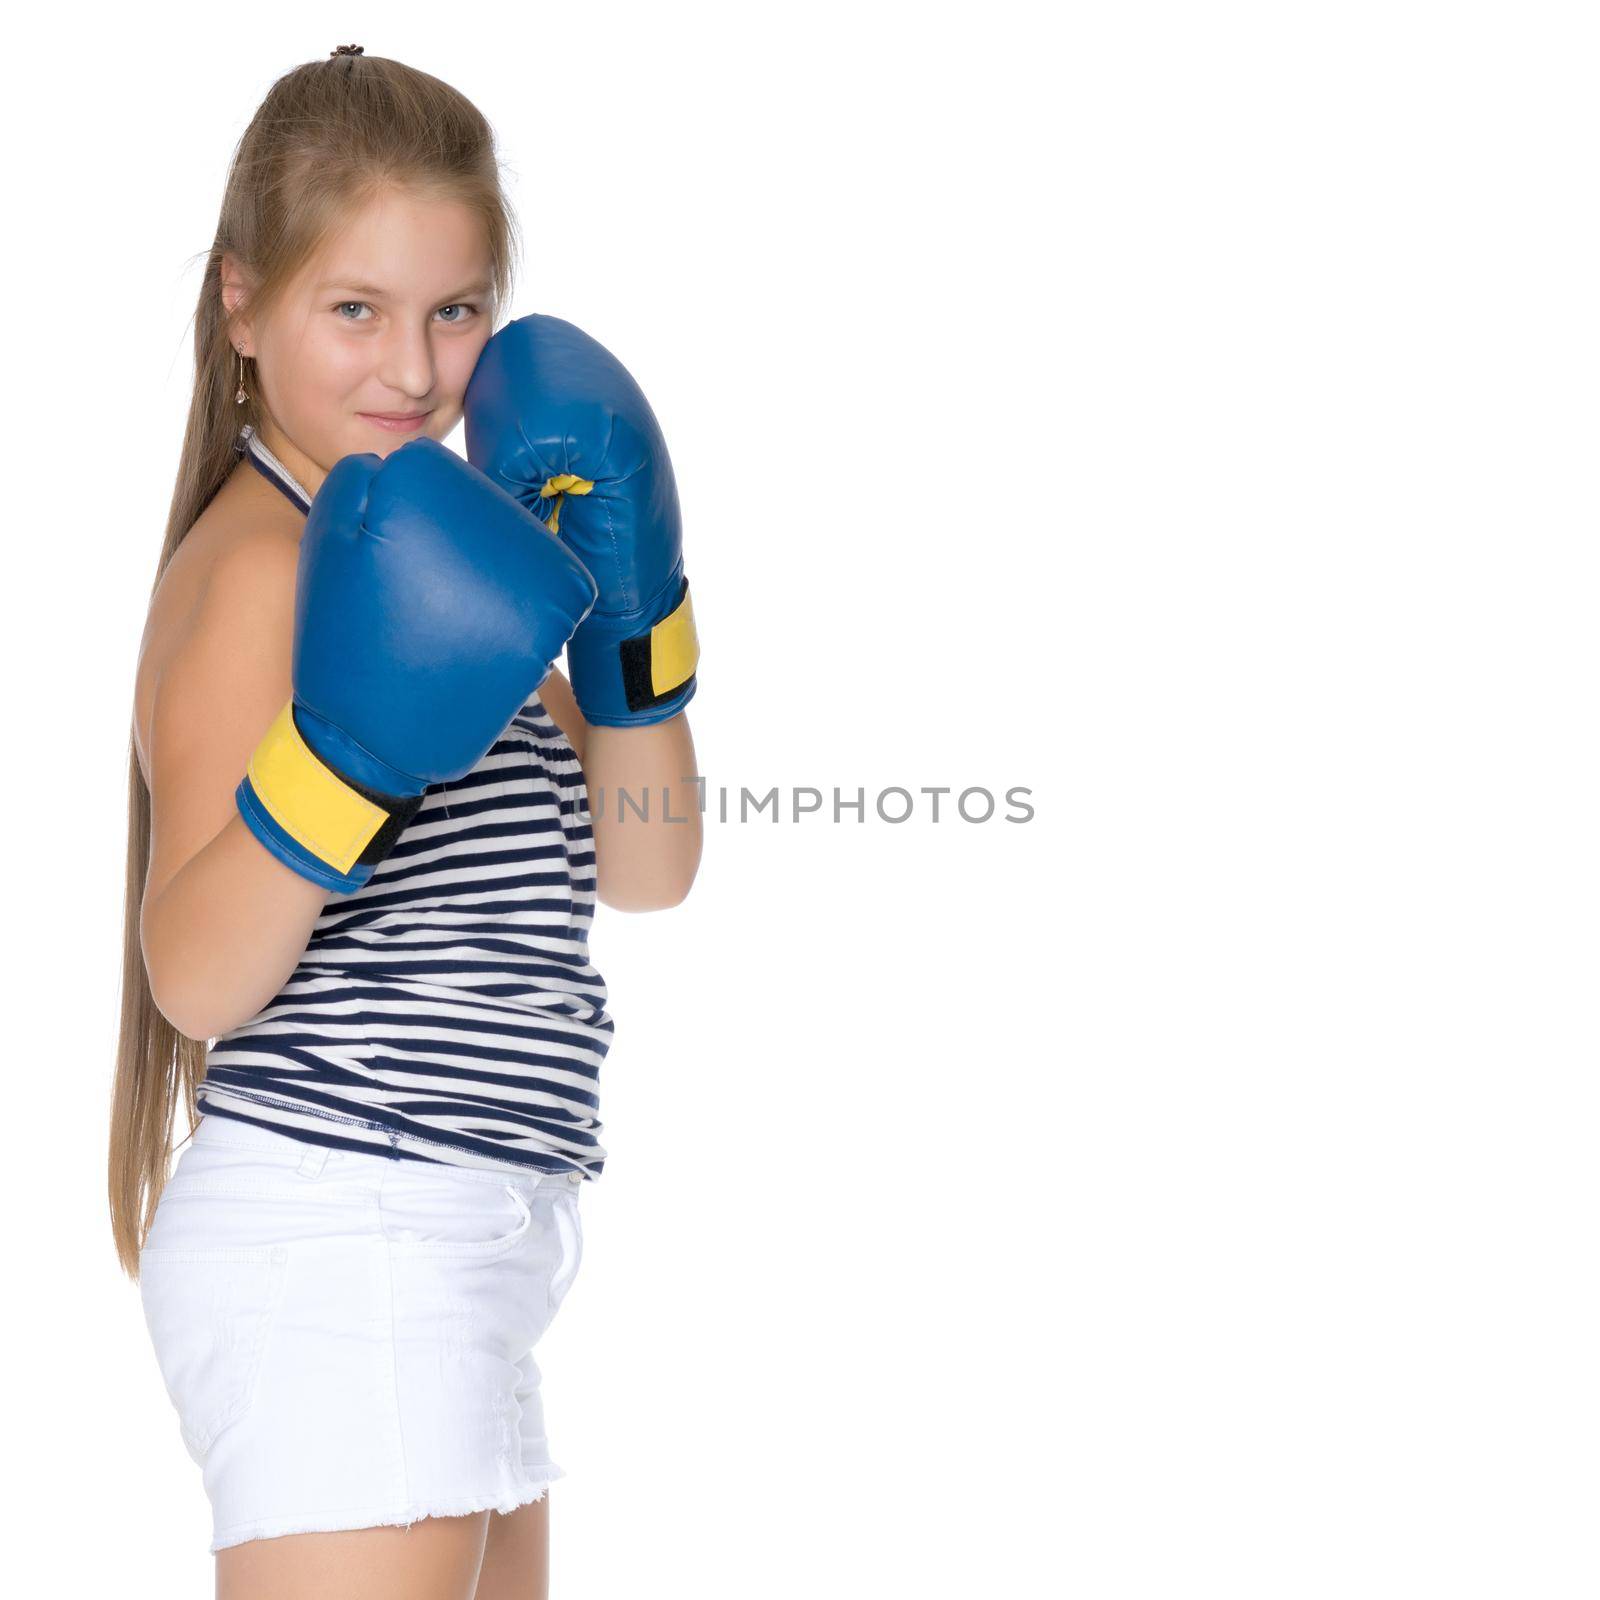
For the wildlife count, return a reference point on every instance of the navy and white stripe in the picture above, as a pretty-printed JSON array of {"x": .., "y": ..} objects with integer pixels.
[{"x": 447, "y": 1010}]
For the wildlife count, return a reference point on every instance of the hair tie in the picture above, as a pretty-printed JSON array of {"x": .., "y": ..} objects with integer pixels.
[{"x": 347, "y": 50}]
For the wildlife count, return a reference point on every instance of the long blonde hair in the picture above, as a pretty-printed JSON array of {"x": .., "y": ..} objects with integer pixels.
[{"x": 328, "y": 136}]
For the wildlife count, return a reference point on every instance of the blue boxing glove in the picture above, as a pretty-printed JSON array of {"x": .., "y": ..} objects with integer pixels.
[
  {"x": 557, "y": 420},
  {"x": 428, "y": 606}
]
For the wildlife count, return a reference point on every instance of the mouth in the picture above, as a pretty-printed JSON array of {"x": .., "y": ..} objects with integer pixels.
[{"x": 395, "y": 421}]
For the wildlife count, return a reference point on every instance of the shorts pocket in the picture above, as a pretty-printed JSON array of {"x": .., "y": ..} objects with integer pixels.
[
  {"x": 209, "y": 1311},
  {"x": 568, "y": 1220},
  {"x": 430, "y": 1218}
]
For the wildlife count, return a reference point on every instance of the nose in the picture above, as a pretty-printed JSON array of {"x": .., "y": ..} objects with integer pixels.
[{"x": 408, "y": 366}]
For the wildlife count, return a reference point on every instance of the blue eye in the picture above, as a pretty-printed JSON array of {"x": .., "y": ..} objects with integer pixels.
[{"x": 361, "y": 305}]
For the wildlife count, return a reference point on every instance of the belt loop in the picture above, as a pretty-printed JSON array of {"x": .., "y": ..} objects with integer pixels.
[{"x": 314, "y": 1160}]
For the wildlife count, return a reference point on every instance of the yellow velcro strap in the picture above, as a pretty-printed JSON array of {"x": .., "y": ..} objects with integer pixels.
[
  {"x": 563, "y": 483},
  {"x": 674, "y": 647},
  {"x": 307, "y": 800}
]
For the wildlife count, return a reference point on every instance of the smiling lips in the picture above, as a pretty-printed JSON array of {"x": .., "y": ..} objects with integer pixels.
[{"x": 395, "y": 421}]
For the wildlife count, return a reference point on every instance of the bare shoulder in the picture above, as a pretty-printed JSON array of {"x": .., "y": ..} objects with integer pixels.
[
  {"x": 229, "y": 589},
  {"x": 555, "y": 694},
  {"x": 224, "y": 673}
]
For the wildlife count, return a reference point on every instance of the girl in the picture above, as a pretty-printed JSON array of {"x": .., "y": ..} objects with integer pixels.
[{"x": 346, "y": 684}]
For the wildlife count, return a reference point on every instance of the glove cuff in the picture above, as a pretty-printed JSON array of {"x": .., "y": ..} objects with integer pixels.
[
  {"x": 632, "y": 669},
  {"x": 327, "y": 826}
]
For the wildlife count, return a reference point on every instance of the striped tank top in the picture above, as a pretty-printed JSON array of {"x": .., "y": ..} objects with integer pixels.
[{"x": 445, "y": 1011}]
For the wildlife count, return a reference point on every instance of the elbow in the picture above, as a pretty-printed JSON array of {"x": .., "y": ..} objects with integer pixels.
[
  {"x": 653, "y": 883},
  {"x": 184, "y": 1010},
  {"x": 196, "y": 1015},
  {"x": 639, "y": 902},
  {"x": 180, "y": 1011},
  {"x": 165, "y": 995},
  {"x": 641, "y": 897}
]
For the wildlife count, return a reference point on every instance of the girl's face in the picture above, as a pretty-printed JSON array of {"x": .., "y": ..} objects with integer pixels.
[{"x": 377, "y": 336}]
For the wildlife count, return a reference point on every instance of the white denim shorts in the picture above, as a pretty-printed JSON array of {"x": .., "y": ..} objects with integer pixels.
[{"x": 348, "y": 1339}]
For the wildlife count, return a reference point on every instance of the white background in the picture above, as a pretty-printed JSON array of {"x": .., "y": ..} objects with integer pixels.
[{"x": 1188, "y": 413}]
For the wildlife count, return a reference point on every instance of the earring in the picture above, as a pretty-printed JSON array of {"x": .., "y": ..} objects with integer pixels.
[{"x": 240, "y": 396}]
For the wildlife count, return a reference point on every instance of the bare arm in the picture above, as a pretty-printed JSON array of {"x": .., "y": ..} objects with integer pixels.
[
  {"x": 223, "y": 921},
  {"x": 647, "y": 861},
  {"x": 642, "y": 863}
]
